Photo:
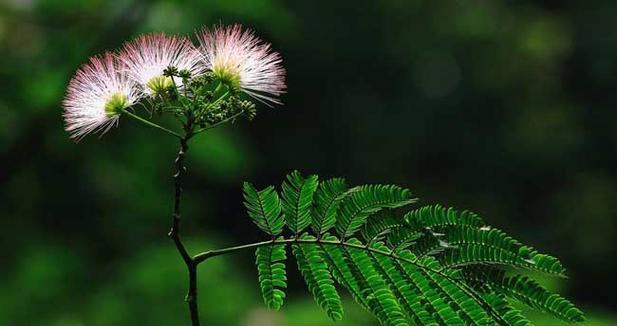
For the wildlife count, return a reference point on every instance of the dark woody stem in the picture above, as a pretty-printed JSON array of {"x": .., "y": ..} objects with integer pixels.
[{"x": 174, "y": 233}]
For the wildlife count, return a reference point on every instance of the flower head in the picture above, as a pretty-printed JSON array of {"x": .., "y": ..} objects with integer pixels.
[
  {"x": 96, "y": 96},
  {"x": 240, "y": 59},
  {"x": 146, "y": 57}
]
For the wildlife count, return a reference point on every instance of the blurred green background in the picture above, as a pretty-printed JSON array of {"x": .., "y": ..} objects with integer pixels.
[{"x": 507, "y": 108}]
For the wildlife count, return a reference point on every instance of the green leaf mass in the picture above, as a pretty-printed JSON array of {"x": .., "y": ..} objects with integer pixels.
[{"x": 428, "y": 266}]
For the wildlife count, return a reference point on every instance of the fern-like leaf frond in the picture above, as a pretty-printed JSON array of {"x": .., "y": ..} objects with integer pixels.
[
  {"x": 314, "y": 269},
  {"x": 427, "y": 289},
  {"x": 381, "y": 224},
  {"x": 380, "y": 297},
  {"x": 402, "y": 237},
  {"x": 437, "y": 216},
  {"x": 431, "y": 266},
  {"x": 264, "y": 208},
  {"x": 343, "y": 271},
  {"x": 410, "y": 297},
  {"x": 510, "y": 315},
  {"x": 464, "y": 241},
  {"x": 270, "y": 262},
  {"x": 527, "y": 291},
  {"x": 327, "y": 199},
  {"x": 365, "y": 201},
  {"x": 297, "y": 200}
]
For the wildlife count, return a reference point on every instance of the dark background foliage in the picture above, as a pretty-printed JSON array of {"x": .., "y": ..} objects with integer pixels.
[{"x": 506, "y": 108}]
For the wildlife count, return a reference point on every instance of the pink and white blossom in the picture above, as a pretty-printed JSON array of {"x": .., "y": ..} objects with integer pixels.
[
  {"x": 146, "y": 57},
  {"x": 96, "y": 95},
  {"x": 240, "y": 58}
]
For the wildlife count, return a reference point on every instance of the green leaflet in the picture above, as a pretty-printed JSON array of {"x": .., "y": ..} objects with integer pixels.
[
  {"x": 433, "y": 266},
  {"x": 435, "y": 303},
  {"x": 473, "y": 254},
  {"x": 410, "y": 297},
  {"x": 315, "y": 271},
  {"x": 504, "y": 246},
  {"x": 327, "y": 200},
  {"x": 381, "y": 224},
  {"x": 429, "y": 244},
  {"x": 297, "y": 200},
  {"x": 490, "y": 237},
  {"x": 437, "y": 215},
  {"x": 527, "y": 291},
  {"x": 458, "y": 244},
  {"x": 343, "y": 270},
  {"x": 472, "y": 313},
  {"x": 264, "y": 208},
  {"x": 270, "y": 261},
  {"x": 381, "y": 301},
  {"x": 402, "y": 237},
  {"x": 530, "y": 292},
  {"x": 512, "y": 316},
  {"x": 365, "y": 201},
  {"x": 468, "y": 308}
]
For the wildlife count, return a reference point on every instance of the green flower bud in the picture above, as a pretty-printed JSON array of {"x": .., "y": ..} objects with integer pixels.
[
  {"x": 160, "y": 84},
  {"x": 116, "y": 103}
]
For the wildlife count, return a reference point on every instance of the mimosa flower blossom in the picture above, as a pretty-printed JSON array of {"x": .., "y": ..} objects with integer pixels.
[
  {"x": 96, "y": 96},
  {"x": 242, "y": 60},
  {"x": 146, "y": 57}
]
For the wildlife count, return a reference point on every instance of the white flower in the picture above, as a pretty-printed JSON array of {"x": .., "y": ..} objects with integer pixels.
[
  {"x": 96, "y": 96},
  {"x": 146, "y": 57},
  {"x": 242, "y": 60}
]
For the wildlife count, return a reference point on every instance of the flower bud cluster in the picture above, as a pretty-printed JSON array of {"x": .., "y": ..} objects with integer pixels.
[{"x": 213, "y": 100}]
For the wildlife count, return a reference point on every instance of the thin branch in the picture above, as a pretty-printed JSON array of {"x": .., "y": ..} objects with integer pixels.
[
  {"x": 151, "y": 124},
  {"x": 201, "y": 257}
]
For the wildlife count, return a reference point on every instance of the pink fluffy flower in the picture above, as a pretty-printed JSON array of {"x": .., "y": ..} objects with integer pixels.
[
  {"x": 96, "y": 96},
  {"x": 146, "y": 57},
  {"x": 241, "y": 59}
]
